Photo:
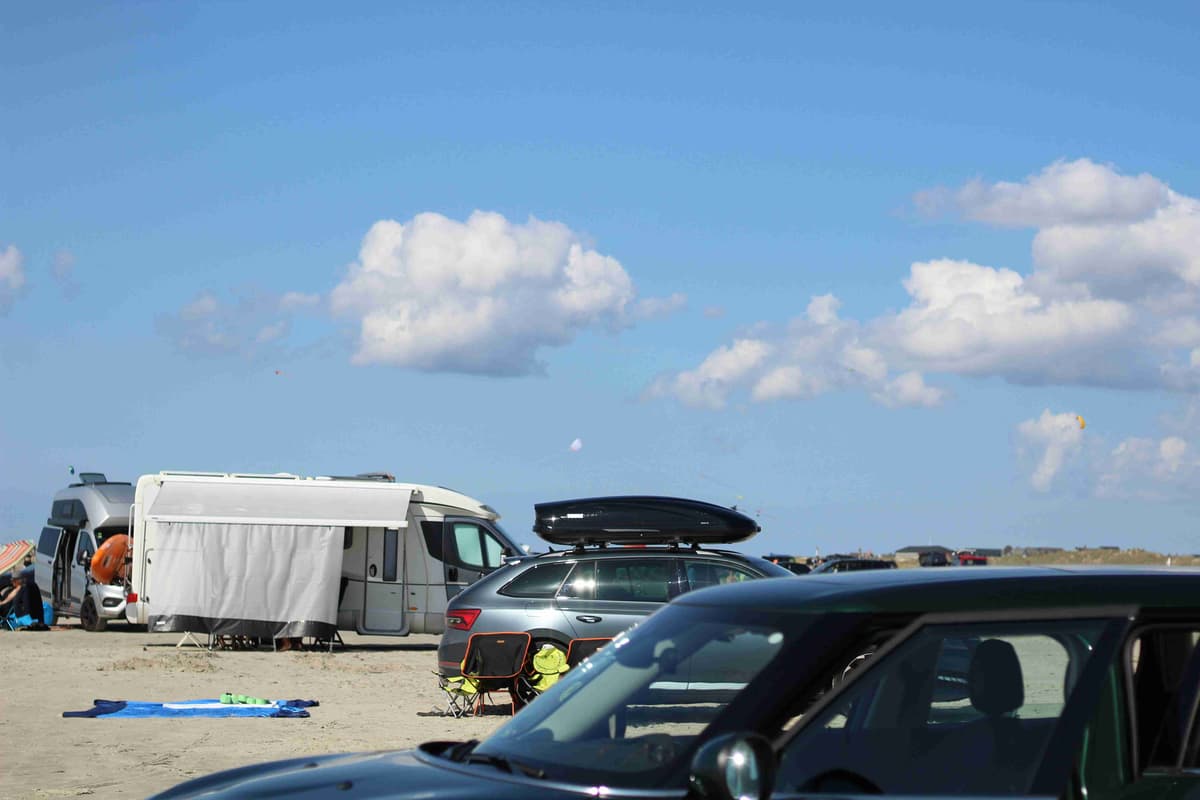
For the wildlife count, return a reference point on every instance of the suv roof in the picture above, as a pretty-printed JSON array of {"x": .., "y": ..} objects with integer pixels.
[{"x": 953, "y": 590}]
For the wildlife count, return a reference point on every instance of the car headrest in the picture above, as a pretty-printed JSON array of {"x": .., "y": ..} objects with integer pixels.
[{"x": 995, "y": 682}]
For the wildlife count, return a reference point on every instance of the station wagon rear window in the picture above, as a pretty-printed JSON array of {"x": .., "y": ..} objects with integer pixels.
[{"x": 542, "y": 580}]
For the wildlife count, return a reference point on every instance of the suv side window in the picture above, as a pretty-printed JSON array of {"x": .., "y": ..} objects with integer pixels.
[
  {"x": 968, "y": 707},
  {"x": 581, "y": 585},
  {"x": 643, "y": 580},
  {"x": 713, "y": 573},
  {"x": 540, "y": 580},
  {"x": 1162, "y": 666},
  {"x": 48, "y": 542}
]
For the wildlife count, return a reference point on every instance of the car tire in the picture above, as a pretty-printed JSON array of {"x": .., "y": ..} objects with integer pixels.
[{"x": 90, "y": 618}]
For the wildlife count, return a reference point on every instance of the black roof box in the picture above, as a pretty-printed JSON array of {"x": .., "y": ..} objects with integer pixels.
[{"x": 640, "y": 520}]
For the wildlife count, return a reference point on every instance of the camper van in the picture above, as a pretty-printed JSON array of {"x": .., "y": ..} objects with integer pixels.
[
  {"x": 285, "y": 555},
  {"x": 82, "y": 517}
]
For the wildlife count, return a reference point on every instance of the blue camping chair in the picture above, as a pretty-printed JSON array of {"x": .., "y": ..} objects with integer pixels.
[{"x": 15, "y": 623}]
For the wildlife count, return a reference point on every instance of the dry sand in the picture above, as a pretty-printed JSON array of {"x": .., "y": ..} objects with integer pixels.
[{"x": 376, "y": 693}]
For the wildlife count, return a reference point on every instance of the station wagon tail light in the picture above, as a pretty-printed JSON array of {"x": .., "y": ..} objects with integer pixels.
[
  {"x": 131, "y": 597},
  {"x": 462, "y": 619}
]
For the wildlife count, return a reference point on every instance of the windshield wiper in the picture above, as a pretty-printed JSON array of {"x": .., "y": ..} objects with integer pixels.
[
  {"x": 506, "y": 764},
  {"x": 460, "y": 750}
]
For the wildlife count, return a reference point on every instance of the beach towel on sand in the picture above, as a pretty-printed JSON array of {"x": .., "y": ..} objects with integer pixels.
[{"x": 129, "y": 709}]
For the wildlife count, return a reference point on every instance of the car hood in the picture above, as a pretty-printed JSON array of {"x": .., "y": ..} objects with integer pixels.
[{"x": 391, "y": 774}]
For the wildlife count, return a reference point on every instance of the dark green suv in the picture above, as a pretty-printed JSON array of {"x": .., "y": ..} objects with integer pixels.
[{"x": 1006, "y": 682}]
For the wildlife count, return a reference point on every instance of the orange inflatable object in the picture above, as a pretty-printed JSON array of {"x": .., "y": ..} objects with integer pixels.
[{"x": 109, "y": 561}]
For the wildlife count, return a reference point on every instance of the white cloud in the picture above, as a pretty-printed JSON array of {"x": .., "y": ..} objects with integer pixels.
[
  {"x": 1155, "y": 259},
  {"x": 710, "y": 384},
  {"x": 244, "y": 325},
  {"x": 1079, "y": 192},
  {"x": 12, "y": 277},
  {"x": 272, "y": 332},
  {"x": 909, "y": 389},
  {"x": 658, "y": 307},
  {"x": 971, "y": 319},
  {"x": 813, "y": 354},
  {"x": 482, "y": 296},
  {"x": 714, "y": 312},
  {"x": 297, "y": 301},
  {"x": 1054, "y": 438},
  {"x": 1148, "y": 468},
  {"x": 1113, "y": 299}
]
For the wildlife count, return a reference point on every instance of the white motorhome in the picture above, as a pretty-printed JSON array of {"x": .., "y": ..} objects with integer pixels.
[
  {"x": 82, "y": 517},
  {"x": 284, "y": 555}
]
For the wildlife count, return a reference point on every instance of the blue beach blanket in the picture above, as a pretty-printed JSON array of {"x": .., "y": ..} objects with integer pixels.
[{"x": 130, "y": 709}]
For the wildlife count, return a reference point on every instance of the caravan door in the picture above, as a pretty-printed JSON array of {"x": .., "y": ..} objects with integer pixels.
[
  {"x": 470, "y": 550},
  {"x": 384, "y": 608}
]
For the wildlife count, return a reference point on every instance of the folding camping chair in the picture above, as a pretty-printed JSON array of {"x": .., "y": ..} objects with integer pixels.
[
  {"x": 492, "y": 664},
  {"x": 580, "y": 650}
]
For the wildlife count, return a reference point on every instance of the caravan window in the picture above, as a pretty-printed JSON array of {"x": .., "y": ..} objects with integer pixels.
[
  {"x": 466, "y": 540},
  {"x": 84, "y": 545},
  {"x": 48, "y": 541},
  {"x": 391, "y": 542}
]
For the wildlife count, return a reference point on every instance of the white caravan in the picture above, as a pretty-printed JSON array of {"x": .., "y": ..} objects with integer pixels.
[{"x": 284, "y": 555}]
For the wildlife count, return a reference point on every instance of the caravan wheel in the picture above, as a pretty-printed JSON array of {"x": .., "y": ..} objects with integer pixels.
[{"x": 89, "y": 618}]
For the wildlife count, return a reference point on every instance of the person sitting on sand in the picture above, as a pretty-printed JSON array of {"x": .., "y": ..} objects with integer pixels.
[{"x": 24, "y": 598}]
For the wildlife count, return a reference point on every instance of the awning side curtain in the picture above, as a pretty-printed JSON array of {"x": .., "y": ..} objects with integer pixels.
[
  {"x": 308, "y": 502},
  {"x": 224, "y": 572}
]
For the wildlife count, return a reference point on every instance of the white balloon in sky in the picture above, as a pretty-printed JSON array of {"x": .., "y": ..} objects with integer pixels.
[{"x": 576, "y": 445}]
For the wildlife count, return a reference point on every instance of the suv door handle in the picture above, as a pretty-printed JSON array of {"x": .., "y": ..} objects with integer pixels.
[{"x": 588, "y": 618}]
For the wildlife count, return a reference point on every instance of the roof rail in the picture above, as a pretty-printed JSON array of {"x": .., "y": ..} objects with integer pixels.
[{"x": 199, "y": 474}]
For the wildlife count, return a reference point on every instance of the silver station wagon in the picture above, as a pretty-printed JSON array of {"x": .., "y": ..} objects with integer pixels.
[{"x": 627, "y": 557}]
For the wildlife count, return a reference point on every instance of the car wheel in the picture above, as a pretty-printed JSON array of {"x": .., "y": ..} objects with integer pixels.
[{"x": 89, "y": 618}]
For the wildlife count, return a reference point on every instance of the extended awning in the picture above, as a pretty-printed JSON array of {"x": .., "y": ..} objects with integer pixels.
[{"x": 287, "y": 502}]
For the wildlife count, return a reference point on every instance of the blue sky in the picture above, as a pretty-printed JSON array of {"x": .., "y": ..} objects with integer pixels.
[{"x": 856, "y": 271}]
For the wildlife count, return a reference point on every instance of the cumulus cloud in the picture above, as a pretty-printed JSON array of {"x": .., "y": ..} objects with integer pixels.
[
  {"x": 710, "y": 384},
  {"x": 245, "y": 324},
  {"x": 1054, "y": 439},
  {"x": 12, "y": 277},
  {"x": 813, "y": 354},
  {"x": 482, "y": 296},
  {"x": 1144, "y": 467},
  {"x": 1079, "y": 192},
  {"x": 909, "y": 389},
  {"x": 1113, "y": 299},
  {"x": 1148, "y": 468},
  {"x": 971, "y": 319}
]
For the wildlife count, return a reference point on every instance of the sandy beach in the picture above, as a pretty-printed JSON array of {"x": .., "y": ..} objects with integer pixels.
[{"x": 376, "y": 693}]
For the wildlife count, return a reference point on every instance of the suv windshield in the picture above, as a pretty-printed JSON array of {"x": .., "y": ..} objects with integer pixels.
[{"x": 638, "y": 706}]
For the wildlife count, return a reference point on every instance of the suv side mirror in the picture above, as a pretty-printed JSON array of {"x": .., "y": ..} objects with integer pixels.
[{"x": 735, "y": 766}]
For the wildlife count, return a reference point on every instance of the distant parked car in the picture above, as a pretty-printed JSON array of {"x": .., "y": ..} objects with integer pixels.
[
  {"x": 790, "y": 563},
  {"x": 969, "y": 559},
  {"x": 934, "y": 558},
  {"x": 852, "y": 565}
]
